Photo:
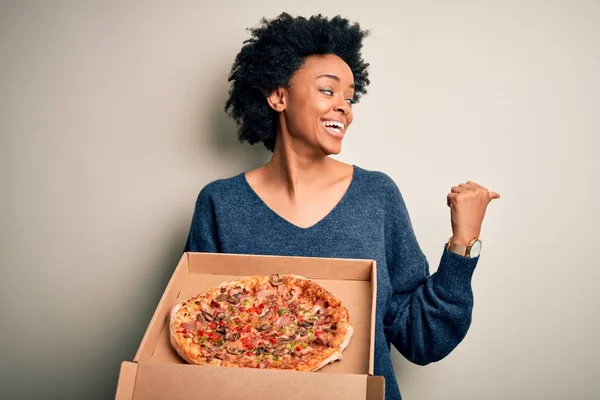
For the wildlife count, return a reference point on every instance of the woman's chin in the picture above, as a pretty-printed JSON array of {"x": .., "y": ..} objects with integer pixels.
[{"x": 330, "y": 148}]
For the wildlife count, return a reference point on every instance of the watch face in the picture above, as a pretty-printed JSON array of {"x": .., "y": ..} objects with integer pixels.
[{"x": 476, "y": 249}]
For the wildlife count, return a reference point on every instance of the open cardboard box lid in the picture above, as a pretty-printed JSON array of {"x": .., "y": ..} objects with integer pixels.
[{"x": 157, "y": 372}]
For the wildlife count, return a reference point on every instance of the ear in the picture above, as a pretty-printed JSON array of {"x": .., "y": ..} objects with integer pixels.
[{"x": 278, "y": 99}]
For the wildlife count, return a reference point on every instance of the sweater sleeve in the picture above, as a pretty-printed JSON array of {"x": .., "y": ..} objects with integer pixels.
[
  {"x": 202, "y": 237},
  {"x": 427, "y": 315}
]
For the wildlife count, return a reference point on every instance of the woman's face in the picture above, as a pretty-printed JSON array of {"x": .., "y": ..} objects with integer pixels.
[{"x": 316, "y": 110}]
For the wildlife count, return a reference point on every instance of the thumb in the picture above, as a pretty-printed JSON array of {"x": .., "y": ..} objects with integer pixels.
[{"x": 494, "y": 195}]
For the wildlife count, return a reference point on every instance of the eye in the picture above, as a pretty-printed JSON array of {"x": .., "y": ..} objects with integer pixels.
[
  {"x": 351, "y": 101},
  {"x": 327, "y": 92}
]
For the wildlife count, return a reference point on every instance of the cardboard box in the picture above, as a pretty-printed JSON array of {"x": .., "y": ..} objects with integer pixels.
[{"x": 157, "y": 372}]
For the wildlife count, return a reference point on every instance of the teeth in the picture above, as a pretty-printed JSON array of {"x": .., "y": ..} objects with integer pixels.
[{"x": 334, "y": 124}]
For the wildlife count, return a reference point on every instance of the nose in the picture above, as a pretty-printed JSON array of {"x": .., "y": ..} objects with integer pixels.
[{"x": 343, "y": 108}]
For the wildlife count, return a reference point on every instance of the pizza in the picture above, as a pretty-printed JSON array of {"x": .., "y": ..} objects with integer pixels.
[{"x": 273, "y": 322}]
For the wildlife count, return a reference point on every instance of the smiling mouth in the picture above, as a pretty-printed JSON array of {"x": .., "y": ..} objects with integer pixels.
[{"x": 334, "y": 127}]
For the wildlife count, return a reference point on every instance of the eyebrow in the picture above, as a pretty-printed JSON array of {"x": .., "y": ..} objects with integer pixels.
[{"x": 334, "y": 77}]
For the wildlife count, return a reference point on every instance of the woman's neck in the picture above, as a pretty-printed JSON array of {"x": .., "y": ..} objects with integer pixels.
[{"x": 299, "y": 171}]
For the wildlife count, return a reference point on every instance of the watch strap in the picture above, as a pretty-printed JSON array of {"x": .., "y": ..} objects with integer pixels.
[{"x": 461, "y": 250}]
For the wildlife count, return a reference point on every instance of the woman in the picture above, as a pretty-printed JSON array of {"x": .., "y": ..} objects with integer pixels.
[{"x": 294, "y": 84}]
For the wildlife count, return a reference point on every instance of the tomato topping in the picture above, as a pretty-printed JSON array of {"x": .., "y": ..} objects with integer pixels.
[
  {"x": 250, "y": 353},
  {"x": 212, "y": 325},
  {"x": 298, "y": 348},
  {"x": 272, "y": 340},
  {"x": 214, "y": 304},
  {"x": 184, "y": 331},
  {"x": 201, "y": 333}
]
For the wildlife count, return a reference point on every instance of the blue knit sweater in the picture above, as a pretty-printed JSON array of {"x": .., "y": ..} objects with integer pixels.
[{"x": 425, "y": 316}]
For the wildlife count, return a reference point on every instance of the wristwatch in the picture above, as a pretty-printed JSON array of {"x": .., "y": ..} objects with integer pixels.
[{"x": 472, "y": 250}]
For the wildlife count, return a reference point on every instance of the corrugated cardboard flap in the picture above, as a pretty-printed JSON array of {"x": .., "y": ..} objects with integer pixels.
[
  {"x": 154, "y": 381},
  {"x": 127, "y": 379},
  {"x": 375, "y": 388}
]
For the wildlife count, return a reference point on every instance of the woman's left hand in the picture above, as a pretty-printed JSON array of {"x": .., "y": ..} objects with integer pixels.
[{"x": 468, "y": 203}]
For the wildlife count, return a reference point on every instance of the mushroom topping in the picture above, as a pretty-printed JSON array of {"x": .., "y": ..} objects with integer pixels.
[
  {"x": 324, "y": 320},
  {"x": 236, "y": 291},
  {"x": 233, "y": 336},
  {"x": 302, "y": 331},
  {"x": 208, "y": 316},
  {"x": 284, "y": 339},
  {"x": 234, "y": 351},
  {"x": 267, "y": 315},
  {"x": 233, "y": 300},
  {"x": 275, "y": 280},
  {"x": 220, "y": 356},
  {"x": 223, "y": 289},
  {"x": 305, "y": 324},
  {"x": 219, "y": 316},
  {"x": 200, "y": 317},
  {"x": 197, "y": 302},
  {"x": 222, "y": 297},
  {"x": 321, "y": 340},
  {"x": 263, "y": 327},
  {"x": 288, "y": 296},
  {"x": 280, "y": 351},
  {"x": 334, "y": 326},
  {"x": 259, "y": 351}
]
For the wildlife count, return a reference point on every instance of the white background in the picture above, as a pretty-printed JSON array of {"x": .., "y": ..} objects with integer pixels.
[{"x": 111, "y": 121}]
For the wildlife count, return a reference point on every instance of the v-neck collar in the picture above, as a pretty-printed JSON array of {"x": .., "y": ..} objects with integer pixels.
[{"x": 323, "y": 220}]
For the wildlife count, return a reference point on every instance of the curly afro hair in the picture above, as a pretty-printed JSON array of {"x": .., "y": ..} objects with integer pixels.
[{"x": 275, "y": 51}]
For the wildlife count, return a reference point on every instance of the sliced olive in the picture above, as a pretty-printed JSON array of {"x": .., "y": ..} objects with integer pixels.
[
  {"x": 221, "y": 330},
  {"x": 334, "y": 326},
  {"x": 233, "y": 336},
  {"x": 305, "y": 324},
  {"x": 197, "y": 302},
  {"x": 302, "y": 331},
  {"x": 288, "y": 296},
  {"x": 208, "y": 316},
  {"x": 233, "y": 299},
  {"x": 284, "y": 340}
]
